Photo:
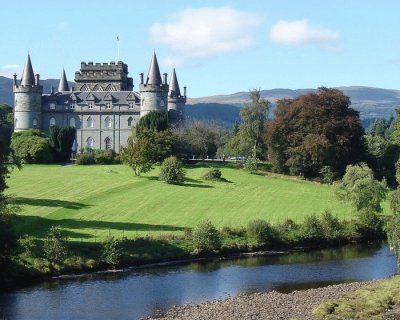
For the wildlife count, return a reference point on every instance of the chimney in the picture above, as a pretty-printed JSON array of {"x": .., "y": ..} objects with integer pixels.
[
  {"x": 165, "y": 78},
  {"x": 141, "y": 78},
  {"x": 184, "y": 92},
  {"x": 37, "y": 79},
  {"x": 15, "y": 79}
]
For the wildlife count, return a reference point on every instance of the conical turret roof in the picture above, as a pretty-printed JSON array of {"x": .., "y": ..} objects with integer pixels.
[
  {"x": 174, "y": 85},
  {"x": 28, "y": 77},
  {"x": 63, "y": 85},
  {"x": 154, "y": 76}
]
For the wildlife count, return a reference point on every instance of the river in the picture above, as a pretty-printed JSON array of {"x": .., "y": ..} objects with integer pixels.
[{"x": 148, "y": 292}]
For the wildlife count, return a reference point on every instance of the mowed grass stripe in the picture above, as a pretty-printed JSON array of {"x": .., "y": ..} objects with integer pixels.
[{"x": 102, "y": 200}]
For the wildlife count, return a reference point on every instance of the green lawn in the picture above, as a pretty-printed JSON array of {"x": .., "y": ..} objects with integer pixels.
[{"x": 90, "y": 202}]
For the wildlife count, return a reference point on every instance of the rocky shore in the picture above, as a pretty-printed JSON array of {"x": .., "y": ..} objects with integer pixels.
[{"x": 270, "y": 306}]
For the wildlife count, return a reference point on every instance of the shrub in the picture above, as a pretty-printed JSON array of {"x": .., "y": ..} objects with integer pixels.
[
  {"x": 111, "y": 251},
  {"x": 261, "y": 231},
  {"x": 104, "y": 156},
  {"x": 172, "y": 171},
  {"x": 206, "y": 237},
  {"x": 331, "y": 226},
  {"x": 234, "y": 231},
  {"x": 312, "y": 228},
  {"x": 55, "y": 245},
  {"x": 370, "y": 226},
  {"x": 85, "y": 158},
  {"x": 27, "y": 245},
  {"x": 213, "y": 174},
  {"x": 31, "y": 146},
  {"x": 250, "y": 164}
]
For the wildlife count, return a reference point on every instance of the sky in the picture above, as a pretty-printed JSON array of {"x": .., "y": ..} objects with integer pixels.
[{"x": 217, "y": 47}]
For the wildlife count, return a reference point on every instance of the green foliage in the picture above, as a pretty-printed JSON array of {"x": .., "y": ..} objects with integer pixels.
[
  {"x": 360, "y": 189},
  {"x": 327, "y": 174},
  {"x": 315, "y": 130},
  {"x": 312, "y": 228},
  {"x": 55, "y": 245},
  {"x": 104, "y": 156},
  {"x": 154, "y": 120},
  {"x": 6, "y": 127},
  {"x": 206, "y": 237},
  {"x": 213, "y": 174},
  {"x": 31, "y": 146},
  {"x": 138, "y": 154},
  {"x": 172, "y": 171},
  {"x": 370, "y": 225},
  {"x": 331, "y": 226},
  {"x": 27, "y": 245},
  {"x": 61, "y": 140},
  {"x": 203, "y": 139},
  {"x": 85, "y": 158},
  {"x": 112, "y": 251},
  {"x": 395, "y": 201},
  {"x": 250, "y": 164},
  {"x": 8, "y": 236},
  {"x": 261, "y": 231},
  {"x": 249, "y": 136},
  {"x": 392, "y": 229}
]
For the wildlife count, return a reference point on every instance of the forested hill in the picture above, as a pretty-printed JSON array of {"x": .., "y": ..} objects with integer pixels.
[{"x": 224, "y": 109}]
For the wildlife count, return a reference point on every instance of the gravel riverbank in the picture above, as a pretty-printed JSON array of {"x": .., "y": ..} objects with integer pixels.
[{"x": 271, "y": 306}]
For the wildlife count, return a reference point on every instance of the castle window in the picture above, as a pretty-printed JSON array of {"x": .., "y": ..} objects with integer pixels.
[
  {"x": 34, "y": 122},
  {"x": 72, "y": 122},
  {"x": 85, "y": 88},
  {"x": 107, "y": 143},
  {"x": 52, "y": 122},
  {"x": 107, "y": 122},
  {"x": 90, "y": 122},
  {"x": 162, "y": 103},
  {"x": 90, "y": 105},
  {"x": 131, "y": 105},
  {"x": 90, "y": 143},
  {"x": 130, "y": 119},
  {"x": 72, "y": 106},
  {"x": 52, "y": 106},
  {"x": 108, "y": 105}
]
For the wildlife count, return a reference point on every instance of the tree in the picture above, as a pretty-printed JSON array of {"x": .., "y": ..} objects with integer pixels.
[
  {"x": 206, "y": 237},
  {"x": 138, "y": 154},
  {"x": 172, "y": 171},
  {"x": 203, "y": 138},
  {"x": 55, "y": 245},
  {"x": 154, "y": 120},
  {"x": 249, "y": 136},
  {"x": 6, "y": 127},
  {"x": 31, "y": 146},
  {"x": 315, "y": 130},
  {"x": 360, "y": 189},
  {"x": 61, "y": 140}
]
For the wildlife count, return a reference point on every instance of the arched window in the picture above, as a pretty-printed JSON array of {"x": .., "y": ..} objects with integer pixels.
[
  {"x": 72, "y": 122},
  {"x": 130, "y": 119},
  {"x": 107, "y": 122},
  {"x": 162, "y": 103},
  {"x": 34, "y": 122},
  {"x": 107, "y": 143},
  {"x": 90, "y": 143},
  {"x": 90, "y": 122},
  {"x": 52, "y": 121}
]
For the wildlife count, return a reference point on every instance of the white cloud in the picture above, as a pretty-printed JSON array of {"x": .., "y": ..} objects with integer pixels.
[
  {"x": 204, "y": 32},
  {"x": 300, "y": 33},
  {"x": 8, "y": 70}
]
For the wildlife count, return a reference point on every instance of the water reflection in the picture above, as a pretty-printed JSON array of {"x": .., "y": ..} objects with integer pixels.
[{"x": 146, "y": 292}]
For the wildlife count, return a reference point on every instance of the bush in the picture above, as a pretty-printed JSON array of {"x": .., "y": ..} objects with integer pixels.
[
  {"x": 86, "y": 158},
  {"x": 370, "y": 225},
  {"x": 55, "y": 245},
  {"x": 111, "y": 251},
  {"x": 250, "y": 164},
  {"x": 234, "y": 231},
  {"x": 261, "y": 231},
  {"x": 312, "y": 228},
  {"x": 27, "y": 245},
  {"x": 31, "y": 146},
  {"x": 206, "y": 237},
  {"x": 104, "y": 156},
  {"x": 331, "y": 226},
  {"x": 213, "y": 174},
  {"x": 172, "y": 171}
]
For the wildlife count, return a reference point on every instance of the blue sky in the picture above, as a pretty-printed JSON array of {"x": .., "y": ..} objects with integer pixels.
[{"x": 218, "y": 47}]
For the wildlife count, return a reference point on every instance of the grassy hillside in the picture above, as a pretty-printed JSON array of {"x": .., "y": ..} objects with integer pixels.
[{"x": 91, "y": 202}]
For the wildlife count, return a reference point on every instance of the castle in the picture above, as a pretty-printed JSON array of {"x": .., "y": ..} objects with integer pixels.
[{"x": 102, "y": 107}]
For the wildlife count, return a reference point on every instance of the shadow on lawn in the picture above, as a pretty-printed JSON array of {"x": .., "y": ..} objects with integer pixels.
[
  {"x": 189, "y": 182},
  {"x": 39, "y": 226},
  {"x": 50, "y": 203}
]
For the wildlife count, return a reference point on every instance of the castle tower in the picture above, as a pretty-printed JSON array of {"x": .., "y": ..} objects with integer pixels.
[
  {"x": 154, "y": 92},
  {"x": 28, "y": 100},
  {"x": 176, "y": 102},
  {"x": 63, "y": 85}
]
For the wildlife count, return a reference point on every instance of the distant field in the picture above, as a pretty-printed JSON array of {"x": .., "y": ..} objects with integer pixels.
[{"x": 90, "y": 202}]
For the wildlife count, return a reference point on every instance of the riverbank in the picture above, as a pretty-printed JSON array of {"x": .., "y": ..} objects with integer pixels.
[{"x": 295, "y": 305}]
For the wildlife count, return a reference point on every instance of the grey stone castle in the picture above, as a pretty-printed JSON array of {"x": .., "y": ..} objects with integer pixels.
[{"x": 102, "y": 107}]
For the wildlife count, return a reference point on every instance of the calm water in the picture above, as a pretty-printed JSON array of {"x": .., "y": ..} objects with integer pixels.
[{"x": 148, "y": 292}]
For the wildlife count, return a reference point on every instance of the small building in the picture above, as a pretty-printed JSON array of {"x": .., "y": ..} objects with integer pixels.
[{"x": 103, "y": 107}]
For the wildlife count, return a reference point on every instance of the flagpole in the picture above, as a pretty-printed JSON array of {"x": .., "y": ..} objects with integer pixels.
[{"x": 117, "y": 48}]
